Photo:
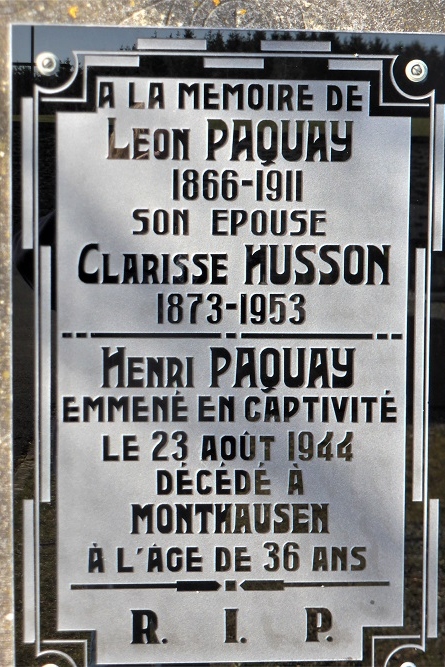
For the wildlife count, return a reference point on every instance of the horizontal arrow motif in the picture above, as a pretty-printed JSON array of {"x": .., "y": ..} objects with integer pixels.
[{"x": 180, "y": 586}]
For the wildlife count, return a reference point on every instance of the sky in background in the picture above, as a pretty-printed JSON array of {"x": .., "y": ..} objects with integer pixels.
[{"x": 63, "y": 40}]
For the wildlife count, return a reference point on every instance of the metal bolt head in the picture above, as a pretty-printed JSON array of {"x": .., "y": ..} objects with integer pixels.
[
  {"x": 416, "y": 71},
  {"x": 47, "y": 63}
]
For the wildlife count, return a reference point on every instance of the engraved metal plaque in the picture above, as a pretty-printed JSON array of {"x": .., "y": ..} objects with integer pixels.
[{"x": 226, "y": 235}]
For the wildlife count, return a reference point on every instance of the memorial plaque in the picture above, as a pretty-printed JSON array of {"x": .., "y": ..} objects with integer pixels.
[{"x": 228, "y": 229}]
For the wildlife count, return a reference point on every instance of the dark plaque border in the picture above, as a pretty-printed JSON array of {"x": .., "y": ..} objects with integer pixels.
[{"x": 351, "y": 57}]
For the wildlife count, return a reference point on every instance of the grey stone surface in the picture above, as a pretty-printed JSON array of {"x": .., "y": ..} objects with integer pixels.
[{"x": 390, "y": 15}]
